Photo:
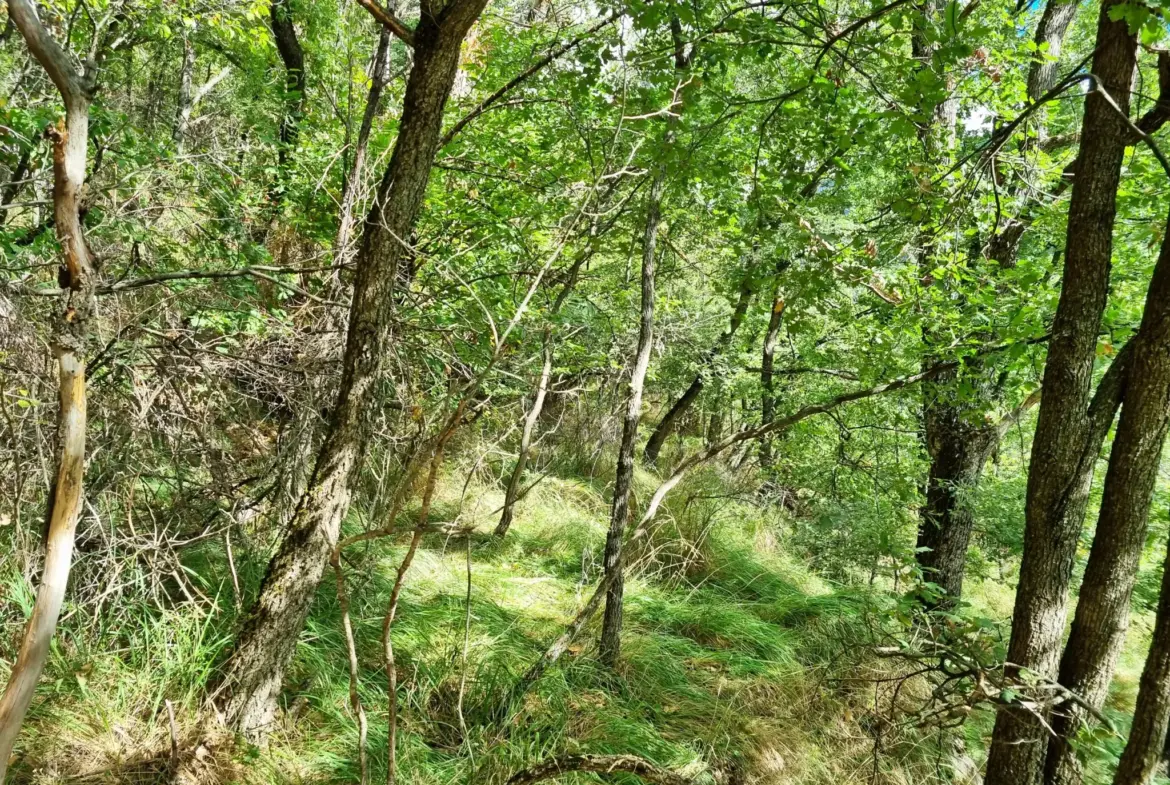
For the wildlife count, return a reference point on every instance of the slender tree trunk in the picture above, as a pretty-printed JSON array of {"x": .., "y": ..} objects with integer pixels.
[
  {"x": 70, "y": 143},
  {"x": 284, "y": 35},
  {"x": 670, "y": 420},
  {"x": 1151, "y": 716},
  {"x": 611, "y": 626},
  {"x": 379, "y": 75},
  {"x": 1049, "y": 40},
  {"x": 513, "y": 491},
  {"x": 266, "y": 642},
  {"x": 767, "y": 376},
  {"x": 1102, "y": 615},
  {"x": 1057, "y": 494},
  {"x": 15, "y": 182},
  {"x": 183, "y": 110}
]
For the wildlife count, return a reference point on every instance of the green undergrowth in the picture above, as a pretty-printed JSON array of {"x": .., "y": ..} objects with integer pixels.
[{"x": 733, "y": 662}]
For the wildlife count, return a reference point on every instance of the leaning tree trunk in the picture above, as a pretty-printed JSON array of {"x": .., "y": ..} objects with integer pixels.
[
  {"x": 680, "y": 407},
  {"x": 70, "y": 142},
  {"x": 1151, "y": 716},
  {"x": 513, "y": 491},
  {"x": 1102, "y": 615},
  {"x": 265, "y": 644},
  {"x": 768, "y": 377},
  {"x": 1057, "y": 493}
]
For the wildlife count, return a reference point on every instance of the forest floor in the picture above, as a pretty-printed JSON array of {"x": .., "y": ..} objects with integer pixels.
[{"x": 739, "y": 663}]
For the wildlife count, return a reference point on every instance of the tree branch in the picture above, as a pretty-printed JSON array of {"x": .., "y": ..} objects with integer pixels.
[
  {"x": 599, "y": 764},
  {"x": 514, "y": 82},
  {"x": 389, "y": 21}
]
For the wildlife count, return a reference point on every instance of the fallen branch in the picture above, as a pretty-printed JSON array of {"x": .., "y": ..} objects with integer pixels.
[{"x": 599, "y": 764}]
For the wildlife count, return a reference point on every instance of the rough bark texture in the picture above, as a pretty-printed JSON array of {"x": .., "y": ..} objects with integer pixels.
[
  {"x": 1102, "y": 615},
  {"x": 70, "y": 144},
  {"x": 958, "y": 449},
  {"x": 680, "y": 407},
  {"x": 1056, "y": 495},
  {"x": 268, "y": 637},
  {"x": 767, "y": 375},
  {"x": 1151, "y": 716}
]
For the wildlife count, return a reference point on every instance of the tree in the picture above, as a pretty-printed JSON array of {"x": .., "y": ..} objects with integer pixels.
[
  {"x": 1062, "y": 450},
  {"x": 266, "y": 641},
  {"x": 70, "y": 139}
]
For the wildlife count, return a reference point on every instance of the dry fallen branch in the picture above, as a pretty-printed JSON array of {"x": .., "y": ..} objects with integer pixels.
[{"x": 599, "y": 764}]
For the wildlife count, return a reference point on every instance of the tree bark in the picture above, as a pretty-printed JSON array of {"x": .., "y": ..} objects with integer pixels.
[
  {"x": 680, "y": 407},
  {"x": 379, "y": 75},
  {"x": 266, "y": 641},
  {"x": 767, "y": 375},
  {"x": 70, "y": 144},
  {"x": 1102, "y": 615},
  {"x": 1049, "y": 40},
  {"x": 183, "y": 109},
  {"x": 284, "y": 34},
  {"x": 611, "y": 626},
  {"x": 513, "y": 490},
  {"x": 1056, "y": 495},
  {"x": 1151, "y": 716},
  {"x": 958, "y": 450}
]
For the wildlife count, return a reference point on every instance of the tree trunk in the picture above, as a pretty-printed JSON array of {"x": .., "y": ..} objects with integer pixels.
[
  {"x": 513, "y": 491},
  {"x": 284, "y": 34},
  {"x": 1054, "y": 23},
  {"x": 70, "y": 144},
  {"x": 670, "y": 420},
  {"x": 1057, "y": 491},
  {"x": 266, "y": 642},
  {"x": 958, "y": 450},
  {"x": 1151, "y": 716},
  {"x": 1102, "y": 615},
  {"x": 767, "y": 376},
  {"x": 183, "y": 110},
  {"x": 379, "y": 75},
  {"x": 611, "y": 626}
]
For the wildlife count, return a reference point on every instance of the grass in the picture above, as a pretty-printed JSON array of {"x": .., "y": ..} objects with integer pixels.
[{"x": 732, "y": 666}]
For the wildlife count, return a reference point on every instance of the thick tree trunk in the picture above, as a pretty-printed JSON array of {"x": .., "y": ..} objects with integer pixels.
[
  {"x": 70, "y": 143},
  {"x": 611, "y": 626},
  {"x": 958, "y": 450},
  {"x": 1056, "y": 494},
  {"x": 379, "y": 74},
  {"x": 268, "y": 637},
  {"x": 680, "y": 407},
  {"x": 1151, "y": 716},
  {"x": 1102, "y": 615},
  {"x": 767, "y": 376}
]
